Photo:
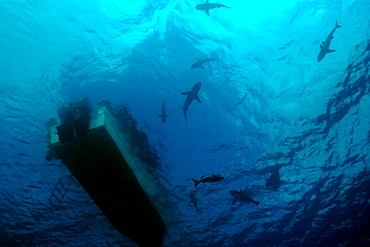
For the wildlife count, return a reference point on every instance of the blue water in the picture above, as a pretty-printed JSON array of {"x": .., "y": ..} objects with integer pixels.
[{"x": 266, "y": 102}]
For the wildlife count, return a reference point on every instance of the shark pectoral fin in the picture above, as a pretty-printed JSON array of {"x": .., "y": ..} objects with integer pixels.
[
  {"x": 202, "y": 67},
  {"x": 234, "y": 201},
  {"x": 329, "y": 51},
  {"x": 186, "y": 119},
  {"x": 159, "y": 115},
  {"x": 185, "y": 93},
  {"x": 207, "y": 11},
  {"x": 197, "y": 98},
  {"x": 321, "y": 47}
]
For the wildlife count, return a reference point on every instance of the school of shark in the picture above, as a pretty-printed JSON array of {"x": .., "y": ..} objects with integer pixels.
[{"x": 274, "y": 179}]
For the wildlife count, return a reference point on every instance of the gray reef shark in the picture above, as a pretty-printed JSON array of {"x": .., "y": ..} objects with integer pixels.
[
  {"x": 207, "y": 6},
  {"x": 242, "y": 196},
  {"x": 324, "y": 46},
  {"x": 163, "y": 115},
  {"x": 274, "y": 179},
  {"x": 192, "y": 95},
  {"x": 199, "y": 63},
  {"x": 194, "y": 200}
]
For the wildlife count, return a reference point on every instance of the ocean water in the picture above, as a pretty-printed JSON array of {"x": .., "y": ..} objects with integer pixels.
[{"x": 267, "y": 104}]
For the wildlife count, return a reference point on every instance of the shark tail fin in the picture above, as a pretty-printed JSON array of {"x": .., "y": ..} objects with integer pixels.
[
  {"x": 196, "y": 182},
  {"x": 336, "y": 25}
]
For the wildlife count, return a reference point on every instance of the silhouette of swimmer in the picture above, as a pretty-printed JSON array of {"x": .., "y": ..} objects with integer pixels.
[
  {"x": 74, "y": 118},
  {"x": 65, "y": 129}
]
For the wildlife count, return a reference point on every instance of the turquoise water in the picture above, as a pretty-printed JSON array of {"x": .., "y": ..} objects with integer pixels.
[{"x": 267, "y": 101}]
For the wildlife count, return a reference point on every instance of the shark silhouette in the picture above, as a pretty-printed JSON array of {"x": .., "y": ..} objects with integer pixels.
[
  {"x": 274, "y": 179},
  {"x": 163, "y": 115},
  {"x": 194, "y": 200},
  {"x": 242, "y": 196},
  {"x": 324, "y": 46},
  {"x": 199, "y": 63},
  {"x": 207, "y": 6},
  {"x": 192, "y": 95}
]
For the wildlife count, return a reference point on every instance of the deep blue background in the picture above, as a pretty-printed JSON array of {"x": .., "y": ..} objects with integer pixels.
[{"x": 266, "y": 101}]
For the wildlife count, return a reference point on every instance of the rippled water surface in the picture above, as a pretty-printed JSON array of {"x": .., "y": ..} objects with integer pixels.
[{"x": 268, "y": 110}]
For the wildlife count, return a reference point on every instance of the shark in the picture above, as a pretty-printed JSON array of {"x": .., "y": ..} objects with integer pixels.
[
  {"x": 194, "y": 200},
  {"x": 242, "y": 196},
  {"x": 324, "y": 46},
  {"x": 191, "y": 95},
  {"x": 199, "y": 63},
  {"x": 207, "y": 6},
  {"x": 274, "y": 179},
  {"x": 163, "y": 114}
]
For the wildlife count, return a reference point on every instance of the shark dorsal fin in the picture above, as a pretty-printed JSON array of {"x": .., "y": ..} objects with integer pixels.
[{"x": 206, "y": 1}]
